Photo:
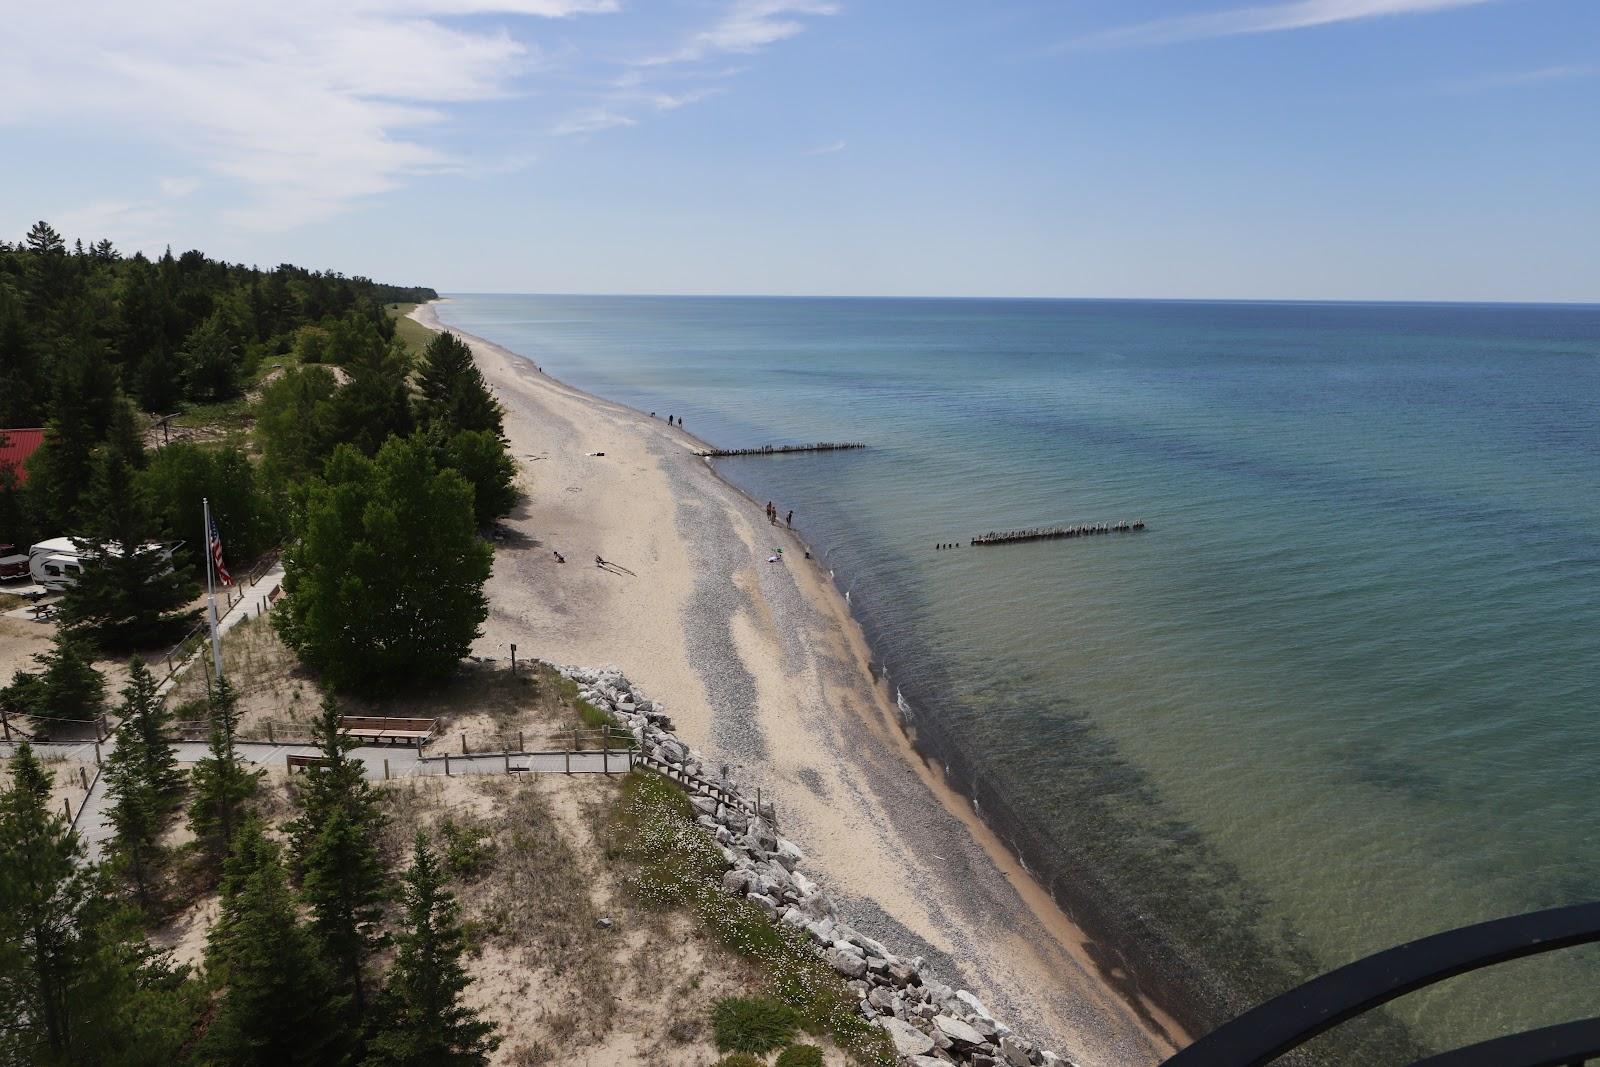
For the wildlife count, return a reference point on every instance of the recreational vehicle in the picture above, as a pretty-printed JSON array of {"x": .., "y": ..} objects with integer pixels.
[{"x": 58, "y": 562}]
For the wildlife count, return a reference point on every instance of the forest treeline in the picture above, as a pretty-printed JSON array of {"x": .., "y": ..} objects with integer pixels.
[
  {"x": 311, "y": 428},
  {"x": 295, "y": 399}
]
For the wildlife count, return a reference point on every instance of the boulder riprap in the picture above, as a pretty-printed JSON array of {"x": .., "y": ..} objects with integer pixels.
[{"x": 930, "y": 1024}]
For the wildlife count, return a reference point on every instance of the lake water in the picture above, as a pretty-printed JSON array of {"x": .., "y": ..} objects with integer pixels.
[{"x": 1343, "y": 692}]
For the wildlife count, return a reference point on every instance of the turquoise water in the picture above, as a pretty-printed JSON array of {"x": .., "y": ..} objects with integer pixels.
[{"x": 1342, "y": 693}]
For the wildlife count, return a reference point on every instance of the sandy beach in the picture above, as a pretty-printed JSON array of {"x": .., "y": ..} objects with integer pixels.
[{"x": 765, "y": 671}]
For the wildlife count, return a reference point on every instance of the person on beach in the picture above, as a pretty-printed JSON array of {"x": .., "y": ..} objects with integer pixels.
[
  {"x": 788, "y": 520},
  {"x": 560, "y": 558}
]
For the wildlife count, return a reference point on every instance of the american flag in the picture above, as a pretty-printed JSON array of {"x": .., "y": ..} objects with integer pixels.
[{"x": 217, "y": 565}]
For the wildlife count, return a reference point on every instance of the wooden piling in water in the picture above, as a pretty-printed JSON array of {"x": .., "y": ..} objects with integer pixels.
[
  {"x": 778, "y": 450},
  {"x": 1053, "y": 533}
]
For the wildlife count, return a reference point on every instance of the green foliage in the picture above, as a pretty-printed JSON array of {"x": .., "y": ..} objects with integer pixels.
[
  {"x": 484, "y": 461},
  {"x": 740, "y": 1059},
  {"x": 454, "y": 394},
  {"x": 184, "y": 474},
  {"x": 141, "y": 775},
  {"x": 376, "y": 404},
  {"x": 80, "y": 987},
  {"x": 129, "y": 591},
  {"x": 752, "y": 1024},
  {"x": 279, "y": 1003},
  {"x": 799, "y": 1056},
  {"x": 423, "y": 1022},
  {"x": 676, "y": 865},
  {"x": 209, "y": 362},
  {"x": 343, "y": 880},
  {"x": 293, "y": 422},
  {"x": 220, "y": 784},
  {"x": 385, "y": 585},
  {"x": 66, "y": 687},
  {"x": 468, "y": 850}
]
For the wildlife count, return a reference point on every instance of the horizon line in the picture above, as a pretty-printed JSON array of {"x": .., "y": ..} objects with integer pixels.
[{"x": 1399, "y": 302}]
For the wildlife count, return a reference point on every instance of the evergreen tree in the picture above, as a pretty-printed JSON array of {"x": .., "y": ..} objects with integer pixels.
[
  {"x": 129, "y": 590},
  {"x": 279, "y": 1003},
  {"x": 385, "y": 583},
  {"x": 454, "y": 393},
  {"x": 23, "y": 400},
  {"x": 424, "y": 1023},
  {"x": 293, "y": 423},
  {"x": 376, "y": 403},
  {"x": 45, "y": 240},
  {"x": 220, "y": 784},
  {"x": 335, "y": 838},
  {"x": 210, "y": 360},
  {"x": 66, "y": 686},
  {"x": 141, "y": 775},
  {"x": 77, "y": 984},
  {"x": 136, "y": 812},
  {"x": 143, "y": 730}
]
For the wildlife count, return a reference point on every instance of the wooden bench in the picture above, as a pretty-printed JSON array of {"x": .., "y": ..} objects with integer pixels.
[
  {"x": 300, "y": 761},
  {"x": 377, "y": 729}
]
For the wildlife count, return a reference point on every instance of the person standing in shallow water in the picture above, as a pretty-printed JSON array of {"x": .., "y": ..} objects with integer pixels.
[{"x": 788, "y": 520}]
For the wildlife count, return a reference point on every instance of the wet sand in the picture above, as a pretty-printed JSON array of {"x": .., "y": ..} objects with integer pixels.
[{"x": 764, "y": 670}]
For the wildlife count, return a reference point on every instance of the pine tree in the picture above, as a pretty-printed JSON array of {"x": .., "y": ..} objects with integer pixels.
[
  {"x": 77, "y": 984},
  {"x": 136, "y": 812},
  {"x": 44, "y": 239},
  {"x": 66, "y": 687},
  {"x": 220, "y": 784},
  {"x": 335, "y": 839},
  {"x": 424, "y": 1023},
  {"x": 129, "y": 590},
  {"x": 453, "y": 390},
  {"x": 483, "y": 460},
  {"x": 279, "y": 1004},
  {"x": 144, "y": 723}
]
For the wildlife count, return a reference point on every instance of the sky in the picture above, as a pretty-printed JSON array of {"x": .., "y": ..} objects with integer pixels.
[{"x": 1289, "y": 149}]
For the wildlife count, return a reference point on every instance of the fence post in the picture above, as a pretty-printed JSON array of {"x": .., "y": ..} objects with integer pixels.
[
  {"x": 66, "y": 802},
  {"x": 522, "y": 746},
  {"x": 508, "y": 761},
  {"x": 5, "y": 723},
  {"x": 83, "y": 776},
  {"x": 569, "y": 760},
  {"x": 97, "y": 753},
  {"x": 605, "y": 751},
  {"x": 447, "y": 764},
  {"x": 386, "y": 768},
  {"x": 270, "y": 739},
  {"x": 463, "y": 742}
]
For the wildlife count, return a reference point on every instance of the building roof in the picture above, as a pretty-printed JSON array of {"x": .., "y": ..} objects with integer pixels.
[{"x": 15, "y": 448}]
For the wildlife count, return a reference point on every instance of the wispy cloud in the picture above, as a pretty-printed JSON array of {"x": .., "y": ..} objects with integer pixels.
[
  {"x": 1514, "y": 79},
  {"x": 305, "y": 106},
  {"x": 591, "y": 121},
  {"x": 747, "y": 26},
  {"x": 827, "y": 149},
  {"x": 1268, "y": 18}
]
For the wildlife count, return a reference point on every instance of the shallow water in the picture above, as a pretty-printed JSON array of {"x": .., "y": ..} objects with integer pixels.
[{"x": 1340, "y": 694}]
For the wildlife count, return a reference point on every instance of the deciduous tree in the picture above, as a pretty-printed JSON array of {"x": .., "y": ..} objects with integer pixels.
[{"x": 385, "y": 583}]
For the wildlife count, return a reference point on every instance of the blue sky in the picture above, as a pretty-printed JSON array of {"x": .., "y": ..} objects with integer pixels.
[{"x": 1312, "y": 149}]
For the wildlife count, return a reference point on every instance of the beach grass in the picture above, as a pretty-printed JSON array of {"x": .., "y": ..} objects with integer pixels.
[
  {"x": 675, "y": 866},
  {"x": 415, "y": 335}
]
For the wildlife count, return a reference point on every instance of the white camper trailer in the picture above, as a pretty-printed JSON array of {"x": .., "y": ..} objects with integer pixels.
[{"x": 58, "y": 562}]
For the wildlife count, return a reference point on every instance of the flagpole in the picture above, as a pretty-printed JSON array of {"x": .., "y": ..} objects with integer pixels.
[{"x": 211, "y": 592}]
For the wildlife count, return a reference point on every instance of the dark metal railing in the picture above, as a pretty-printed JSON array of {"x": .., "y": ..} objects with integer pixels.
[{"x": 1284, "y": 1023}]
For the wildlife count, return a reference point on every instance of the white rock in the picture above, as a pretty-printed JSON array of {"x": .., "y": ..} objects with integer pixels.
[{"x": 974, "y": 1003}]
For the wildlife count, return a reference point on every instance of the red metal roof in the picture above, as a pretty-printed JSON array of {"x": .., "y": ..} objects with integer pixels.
[{"x": 15, "y": 448}]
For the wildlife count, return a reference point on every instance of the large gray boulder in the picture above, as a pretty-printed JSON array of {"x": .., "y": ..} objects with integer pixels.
[
  {"x": 957, "y": 1031},
  {"x": 908, "y": 1040},
  {"x": 846, "y": 963}
]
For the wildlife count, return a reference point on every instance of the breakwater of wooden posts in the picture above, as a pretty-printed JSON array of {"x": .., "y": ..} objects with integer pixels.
[
  {"x": 1054, "y": 533},
  {"x": 778, "y": 450}
]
